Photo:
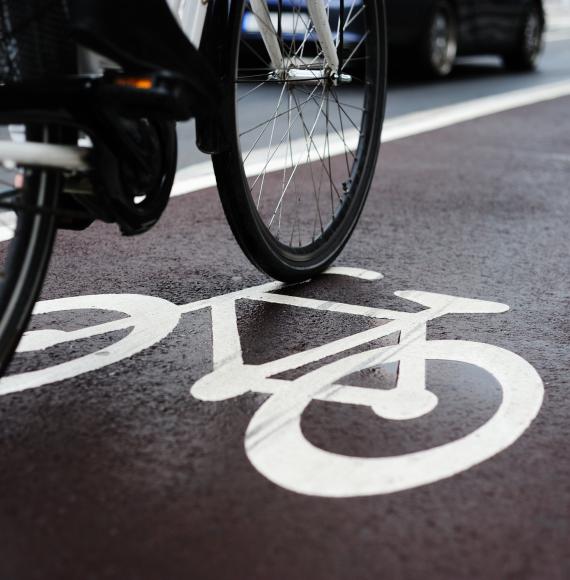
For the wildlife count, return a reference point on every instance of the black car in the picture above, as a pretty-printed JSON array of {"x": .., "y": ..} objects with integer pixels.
[{"x": 430, "y": 34}]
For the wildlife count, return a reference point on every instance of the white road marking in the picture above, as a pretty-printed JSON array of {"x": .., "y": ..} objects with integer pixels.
[
  {"x": 367, "y": 275},
  {"x": 8, "y": 224},
  {"x": 150, "y": 319},
  {"x": 274, "y": 441},
  {"x": 278, "y": 449},
  {"x": 201, "y": 176},
  {"x": 558, "y": 35}
]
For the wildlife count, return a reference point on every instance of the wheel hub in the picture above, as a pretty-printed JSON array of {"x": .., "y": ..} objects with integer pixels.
[{"x": 311, "y": 76}]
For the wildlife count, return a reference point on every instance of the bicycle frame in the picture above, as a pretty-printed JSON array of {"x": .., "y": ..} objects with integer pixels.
[
  {"x": 318, "y": 14},
  {"x": 191, "y": 15}
]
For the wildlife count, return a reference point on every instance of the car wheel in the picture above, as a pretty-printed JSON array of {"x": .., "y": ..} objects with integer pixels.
[
  {"x": 529, "y": 43},
  {"x": 438, "y": 48}
]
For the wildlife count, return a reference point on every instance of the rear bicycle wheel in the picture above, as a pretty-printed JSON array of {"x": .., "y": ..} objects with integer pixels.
[
  {"x": 303, "y": 143},
  {"x": 32, "y": 46}
]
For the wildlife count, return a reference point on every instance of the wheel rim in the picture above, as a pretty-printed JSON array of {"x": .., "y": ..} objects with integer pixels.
[
  {"x": 34, "y": 44},
  {"x": 26, "y": 229},
  {"x": 443, "y": 43},
  {"x": 304, "y": 157}
]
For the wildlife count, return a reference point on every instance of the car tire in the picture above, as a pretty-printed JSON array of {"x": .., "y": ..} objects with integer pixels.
[
  {"x": 529, "y": 43},
  {"x": 438, "y": 45}
]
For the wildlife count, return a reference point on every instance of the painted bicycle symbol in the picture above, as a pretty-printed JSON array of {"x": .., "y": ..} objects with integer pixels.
[{"x": 274, "y": 441}]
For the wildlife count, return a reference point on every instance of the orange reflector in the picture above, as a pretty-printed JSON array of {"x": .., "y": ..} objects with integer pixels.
[{"x": 135, "y": 82}]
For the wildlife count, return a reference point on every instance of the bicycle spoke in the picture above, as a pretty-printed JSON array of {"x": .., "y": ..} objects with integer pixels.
[
  {"x": 321, "y": 158},
  {"x": 268, "y": 149},
  {"x": 305, "y": 130},
  {"x": 300, "y": 135},
  {"x": 347, "y": 61},
  {"x": 344, "y": 141},
  {"x": 275, "y": 151},
  {"x": 350, "y": 19},
  {"x": 296, "y": 167},
  {"x": 265, "y": 127},
  {"x": 265, "y": 122},
  {"x": 341, "y": 137},
  {"x": 250, "y": 92},
  {"x": 328, "y": 153},
  {"x": 341, "y": 108},
  {"x": 256, "y": 53}
]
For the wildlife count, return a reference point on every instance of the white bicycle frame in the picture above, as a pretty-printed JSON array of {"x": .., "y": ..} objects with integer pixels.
[{"x": 191, "y": 15}]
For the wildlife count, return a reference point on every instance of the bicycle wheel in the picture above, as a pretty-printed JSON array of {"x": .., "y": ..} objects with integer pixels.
[
  {"x": 303, "y": 142},
  {"x": 31, "y": 47}
]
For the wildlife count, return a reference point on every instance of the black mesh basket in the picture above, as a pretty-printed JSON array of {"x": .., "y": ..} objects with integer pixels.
[{"x": 35, "y": 40}]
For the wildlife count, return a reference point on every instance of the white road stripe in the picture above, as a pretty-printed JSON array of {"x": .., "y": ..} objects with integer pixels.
[
  {"x": 7, "y": 225},
  {"x": 558, "y": 35},
  {"x": 201, "y": 176}
]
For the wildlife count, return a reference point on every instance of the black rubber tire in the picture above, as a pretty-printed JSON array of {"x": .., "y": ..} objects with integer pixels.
[
  {"x": 27, "y": 263},
  {"x": 38, "y": 48},
  {"x": 529, "y": 43},
  {"x": 259, "y": 245},
  {"x": 427, "y": 64}
]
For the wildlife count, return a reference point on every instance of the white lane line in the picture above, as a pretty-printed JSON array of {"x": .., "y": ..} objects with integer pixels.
[
  {"x": 558, "y": 22},
  {"x": 558, "y": 35},
  {"x": 201, "y": 175},
  {"x": 8, "y": 224}
]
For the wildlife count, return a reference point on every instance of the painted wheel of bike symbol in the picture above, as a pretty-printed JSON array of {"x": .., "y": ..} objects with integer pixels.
[{"x": 274, "y": 441}]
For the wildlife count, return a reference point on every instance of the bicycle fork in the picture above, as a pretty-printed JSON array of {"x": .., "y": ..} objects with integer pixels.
[{"x": 319, "y": 17}]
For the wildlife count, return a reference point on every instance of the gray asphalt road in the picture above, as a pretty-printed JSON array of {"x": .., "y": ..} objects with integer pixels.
[
  {"x": 473, "y": 78},
  {"x": 123, "y": 473}
]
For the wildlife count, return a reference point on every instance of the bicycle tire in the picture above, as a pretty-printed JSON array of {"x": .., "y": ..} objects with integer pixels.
[
  {"x": 33, "y": 45},
  {"x": 304, "y": 258}
]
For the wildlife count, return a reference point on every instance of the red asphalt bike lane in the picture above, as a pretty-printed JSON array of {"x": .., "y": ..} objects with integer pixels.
[{"x": 122, "y": 473}]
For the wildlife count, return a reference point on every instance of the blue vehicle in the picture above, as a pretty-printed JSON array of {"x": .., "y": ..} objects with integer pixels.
[
  {"x": 293, "y": 10},
  {"x": 432, "y": 33},
  {"x": 291, "y": 19},
  {"x": 428, "y": 34}
]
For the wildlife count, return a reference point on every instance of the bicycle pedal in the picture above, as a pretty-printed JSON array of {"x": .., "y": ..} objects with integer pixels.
[{"x": 160, "y": 95}]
